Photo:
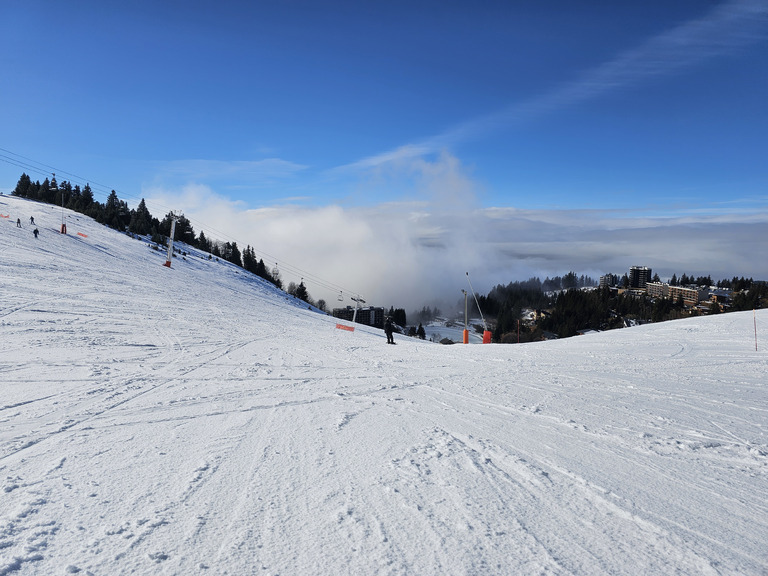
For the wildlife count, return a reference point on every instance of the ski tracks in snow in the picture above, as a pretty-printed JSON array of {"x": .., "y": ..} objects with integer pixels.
[
  {"x": 520, "y": 513},
  {"x": 187, "y": 421}
]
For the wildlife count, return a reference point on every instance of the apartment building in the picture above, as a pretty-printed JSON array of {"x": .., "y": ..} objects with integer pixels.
[
  {"x": 639, "y": 276},
  {"x": 370, "y": 315},
  {"x": 690, "y": 296},
  {"x": 609, "y": 280}
]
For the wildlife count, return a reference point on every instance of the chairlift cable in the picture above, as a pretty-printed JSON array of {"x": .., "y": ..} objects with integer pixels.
[
  {"x": 45, "y": 169},
  {"x": 31, "y": 165}
]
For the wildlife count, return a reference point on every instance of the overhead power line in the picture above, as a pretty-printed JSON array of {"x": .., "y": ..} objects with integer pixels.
[
  {"x": 35, "y": 167},
  {"x": 46, "y": 170}
]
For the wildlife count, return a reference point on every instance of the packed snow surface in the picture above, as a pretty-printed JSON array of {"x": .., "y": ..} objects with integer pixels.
[{"x": 194, "y": 420}]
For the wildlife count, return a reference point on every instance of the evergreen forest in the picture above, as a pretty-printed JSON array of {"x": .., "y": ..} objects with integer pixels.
[
  {"x": 563, "y": 305},
  {"x": 115, "y": 214}
]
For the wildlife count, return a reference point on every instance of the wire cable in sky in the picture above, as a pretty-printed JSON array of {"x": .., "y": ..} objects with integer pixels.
[{"x": 42, "y": 169}]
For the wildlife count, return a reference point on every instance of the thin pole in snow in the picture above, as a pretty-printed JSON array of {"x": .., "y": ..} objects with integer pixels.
[
  {"x": 486, "y": 333},
  {"x": 170, "y": 241},
  {"x": 357, "y": 301},
  {"x": 485, "y": 326},
  {"x": 754, "y": 318},
  {"x": 63, "y": 228},
  {"x": 62, "y": 203},
  {"x": 465, "y": 335}
]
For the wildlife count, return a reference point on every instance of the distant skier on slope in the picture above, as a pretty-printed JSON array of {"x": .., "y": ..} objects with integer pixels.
[
  {"x": 18, "y": 222},
  {"x": 35, "y": 232},
  {"x": 388, "y": 330}
]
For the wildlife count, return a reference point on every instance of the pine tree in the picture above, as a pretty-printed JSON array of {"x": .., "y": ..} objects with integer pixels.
[
  {"x": 249, "y": 260},
  {"x": 75, "y": 198},
  {"x": 48, "y": 193},
  {"x": 236, "y": 258},
  {"x": 261, "y": 270},
  {"x": 301, "y": 292},
  {"x": 141, "y": 220},
  {"x": 184, "y": 231},
  {"x": 111, "y": 215},
  {"x": 23, "y": 186},
  {"x": 231, "y": 253},
  {"x": 203, "y": 243},
  {"x": 87, "y": 198}
]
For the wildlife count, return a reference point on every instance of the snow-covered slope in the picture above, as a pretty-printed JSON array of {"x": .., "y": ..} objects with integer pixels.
[{"x": 194, "y": 421}]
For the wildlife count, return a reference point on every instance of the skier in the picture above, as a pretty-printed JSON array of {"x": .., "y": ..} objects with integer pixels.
[
  {"x": 388, "y": 330},
  {"x": 32, "y": 220},
  {"x": 35, "y": 232},
  {"x": 18, "y": 222}
]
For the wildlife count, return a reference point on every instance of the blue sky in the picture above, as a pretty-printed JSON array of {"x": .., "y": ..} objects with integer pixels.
[{"x": 425, "y": 138}]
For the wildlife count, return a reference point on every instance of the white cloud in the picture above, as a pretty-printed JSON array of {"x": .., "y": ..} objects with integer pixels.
[
  {"x": 411, "y": 253},
  {"x": 414, "y": 246}
]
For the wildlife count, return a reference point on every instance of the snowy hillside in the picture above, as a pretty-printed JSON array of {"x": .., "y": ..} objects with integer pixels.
[{"x": 193, "y": 420}]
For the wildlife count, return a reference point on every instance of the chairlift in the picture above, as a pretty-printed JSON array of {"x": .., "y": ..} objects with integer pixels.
[{"x": 340, "y": 298}]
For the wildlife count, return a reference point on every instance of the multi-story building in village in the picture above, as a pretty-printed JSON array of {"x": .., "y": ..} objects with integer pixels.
[
  {"x": 369, "y": 315},
  {"x": 690, "y": 296},
  {"x": 639, "y": 276},
  {"x": 609, "y": 280}
]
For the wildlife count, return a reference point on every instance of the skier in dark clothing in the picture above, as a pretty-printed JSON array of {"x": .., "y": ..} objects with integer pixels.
[
  {"x": 18, "y": 222},
  {"x": 388, "y": 330},
  {"x": 35, "y": 232},
  {"x": 32, "y": 220}
]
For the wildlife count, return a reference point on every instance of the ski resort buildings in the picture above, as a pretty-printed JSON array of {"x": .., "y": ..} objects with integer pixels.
[
  {"x": 639, "y": 276},
  {"x": 639, "y": 281},
  {"x": 690, "y": 296},
  {"x": 370, "y": 316}
]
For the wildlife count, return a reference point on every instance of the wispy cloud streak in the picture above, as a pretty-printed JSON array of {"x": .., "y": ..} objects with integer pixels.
[{"x": 724, "y": 29}]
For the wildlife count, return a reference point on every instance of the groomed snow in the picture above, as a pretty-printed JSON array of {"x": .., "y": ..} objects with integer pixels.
[{"x": 193, "y": 420}]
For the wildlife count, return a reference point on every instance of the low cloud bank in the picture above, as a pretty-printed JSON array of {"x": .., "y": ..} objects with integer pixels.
[{"x": 416, "y": 249}]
